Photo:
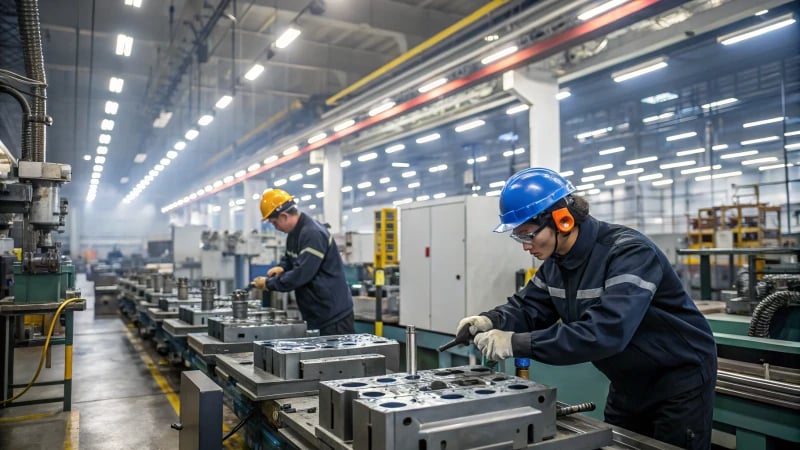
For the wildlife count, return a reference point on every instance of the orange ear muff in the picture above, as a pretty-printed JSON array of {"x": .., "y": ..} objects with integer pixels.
[{"x": 564, "y": 220}]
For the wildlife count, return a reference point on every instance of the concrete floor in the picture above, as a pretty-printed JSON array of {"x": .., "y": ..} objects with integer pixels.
[{"x": 116, "y": 400}]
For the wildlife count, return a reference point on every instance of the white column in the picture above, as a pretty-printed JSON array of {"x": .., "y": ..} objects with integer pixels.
[
  {"x": 332, "y": 186},
  {"x": 539, "y": 91},
  {"x": 74, "y": 234},
  {"x": 253, "y": 188},
  {"x": 225, "y": 214}
]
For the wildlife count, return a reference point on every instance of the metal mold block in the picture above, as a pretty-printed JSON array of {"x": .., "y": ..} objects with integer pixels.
[
  {"x": 340, "y": 367},
  {"x": 173, "y": 304},
  {"x": 228, "y": 329},
  {"x": 282, "y": 357},
  {"x": 512, "y": 413},
  {"x": 207, "y": 347},
  {"x": 195, "y": 315},
  {"x": 336, "y": 397},
  {"x": 179, "y": 328}
]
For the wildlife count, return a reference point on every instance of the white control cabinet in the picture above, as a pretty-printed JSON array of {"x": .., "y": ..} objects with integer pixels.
[{"x": 452, "y": 264}]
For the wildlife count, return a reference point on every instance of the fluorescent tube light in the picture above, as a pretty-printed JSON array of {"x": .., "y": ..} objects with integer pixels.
[
  {"x": 759, "y": 140},
  {"x": 180, "y": 145},
  {"x": 718, "y": 175},
  {"x": 414, "y": 185},
  {"x": 677, "y": 137},
  {"x": 364, "y": 185},
  {"x": 124, "y": 45},
  {"x": 567, "y": 173},
  {"x": 400, "y": 164},
  {"x": 319, "y": 195},
  {"x": 663, "y": 116},
  {"x": 517, "y": 109},
  {"x": 139, "y": 158},
  {"x": 223, "y": 102},
  {"x": 205, "y": 120},
  {"x": 624, "y": 173},
  {"x": 762, "y": 122},
  {"x": 792, "y": 133},
  {"x": 499, "y": 54},
  {"x": 692, "y": 151},
  {"x": 494, "y": 193},
  {"x": 172, "y": 154},
  {"x": 343, "y": 125},
  {"x": 384, "y": 180},
  {"x": 432, "y": 85},
  {"x": 290, "y": 150},
  {"x": 428, "y": 138},
  {"x": 751, "y": 162},
  {"x": 598, "y": 168},
  {"x": 162, "y": 120},
  {"x": 469, "y": 125},
  {"x": 563, "y": 93},
  {"x": 774, "y": 166},
  {"x": 792, "y": 146},
  {"x": 609, "y": 151},
  {"x": 639, "y": 69},
  {"x": 439, "y": 168},
  {"x": 584, "y": 187},
  {"x": 280, "y": 182},
  {"x": 313, "y": 171},
  {"x": 738, "y": 154},
  {"x": 395, "y": 148},
  {"x": 592, "y": 178},
  {"x": 719, "y": 147},
  {"x": 107, "y": 125},
  {"x": 111, "y": 107},
  {"x": 408, "y": 174},
  {"x": 666, "y": 182},
  {"x": 296, "y": 176},
  {"x": 370, "y": 194},
  {"x": 115, "y": 84},
  {"x": 700, "y": 169},
  {"x": 439, "y": 195},
  {"x": 615, "y": 182},
  {"x": 254, "y": 72},
  {"x": 345, "y": 163},
  {"x": 718, "y": 103},
  {"x": 677, "y": 164},
  {"x": 391, "y": 189},
  {"x": 593, "y": 133},
  {"x": 287, "y": 37},
  {"x": 87, "y": 157},
  {"x": 191, "y": 134},
  {"x": 652, "y": 176},
  {"x": 240, "y": 173},
  {"x": 600, "y": 9},
  {"x": 633, "y": 162},
  {"x": 757, "y": 30},
  {"x": 385, "y": 106},
  {"x": 270, "y": 159},
  {"x": 102, "y": 150},
  {"x": 660, "y": 98},
  {"x": 317, "y": 137},
  {"x": 104, "y": 139},
  {"x": 367, "y": 156}
]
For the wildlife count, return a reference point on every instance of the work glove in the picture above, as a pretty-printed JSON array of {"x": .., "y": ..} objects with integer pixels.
[
  {"x": 260, "y": 283},
  {"x": 495, "y": 344},
  {"x": 274, "y": 272},
  {"x": 477, "y": 324}
]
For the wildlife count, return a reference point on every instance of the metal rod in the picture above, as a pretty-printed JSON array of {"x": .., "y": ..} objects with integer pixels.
[{"x": 411, "y": 350}]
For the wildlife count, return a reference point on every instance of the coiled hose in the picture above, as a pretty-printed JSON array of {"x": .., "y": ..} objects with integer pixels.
[{"x": 766, "y": 309}]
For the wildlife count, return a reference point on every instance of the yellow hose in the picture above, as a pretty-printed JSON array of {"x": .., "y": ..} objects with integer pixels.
[{"x": 44, "y": 350}]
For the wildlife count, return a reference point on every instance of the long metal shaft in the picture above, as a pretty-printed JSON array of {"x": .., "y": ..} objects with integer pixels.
[{"x": 411, "y": 350}]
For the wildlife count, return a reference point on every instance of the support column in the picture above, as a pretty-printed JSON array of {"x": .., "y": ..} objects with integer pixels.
[
  {"x": 225, "y": 214},
  {"x": 539, "y": 91},
  {"x": 332, "y": 186},
  {"x": 74, "y": 235},
  {"x": 253, "y": 188}
]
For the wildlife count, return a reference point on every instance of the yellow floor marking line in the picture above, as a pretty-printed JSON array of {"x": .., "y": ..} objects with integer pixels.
[
  {"x": 172, "y": 397},
  {"x": 28, "y": 417},
  {"x": 73, "y": 432}
]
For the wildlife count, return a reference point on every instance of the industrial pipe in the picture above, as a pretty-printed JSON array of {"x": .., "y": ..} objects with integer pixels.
[{"x": 31, "y": 38}]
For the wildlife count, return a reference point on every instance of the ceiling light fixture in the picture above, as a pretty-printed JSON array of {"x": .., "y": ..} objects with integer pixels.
[
  {"x": 313, "y": 171},
  {"x": 762, "y": 122},
  {"x": 385, "y": 106},
  {"x": 563, "y": 93},
  {"x": 111, "y": 107},
  {"x": 640, "y": 69},
  {"x": 757, "y": 30},
  {"x": 428, "y": 138},
  {"x": 223, "y": 102},
  {"x": 600, "y": 9},
  {"x": 254, "y": 72},
  {"x": 499, "y": 54},
  {"x": 317, "y": 137},
  {"x": 191, "y": 134},
  {"x": 139, "y": 158},
  {"x": 738, "y": 154},
  {"x": 394, "y": 148},
  {"x": 205, "y": 120},
  {"x": 677, "y": 164},
  {"x": 432, "y": 85},
  {"x": 718, "y": 103},
  {"x": 180, "y": 145},
  {"x": 367, "y": 157},
  {"x": 287, "y": 37},
  {"x": 469, "y": 125},
  {"x": 517, "y": 109},
  {"x": 660, "y": 98},
  {"x": 750, "y": 162},
  {"x": 610, "y": 151},
  {"x": 692, "y": 151},
  {"x": 124, "y": 45},
  {"x": 344, "y": 125},
  {"x": 759, "y": 140},
  {"x": 102, "y": 150},
  {"x": 115, "y": 84},
  {"x": 677, "y": 137},
  {"x": 700, "y": 169}
]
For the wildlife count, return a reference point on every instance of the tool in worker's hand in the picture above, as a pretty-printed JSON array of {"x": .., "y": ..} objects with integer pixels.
[{"x": 464, "y": 337}]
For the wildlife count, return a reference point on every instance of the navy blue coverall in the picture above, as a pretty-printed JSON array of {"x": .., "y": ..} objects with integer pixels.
[
  {"x": 314, "y": 270},
  {"x": 622, "y": 307}
]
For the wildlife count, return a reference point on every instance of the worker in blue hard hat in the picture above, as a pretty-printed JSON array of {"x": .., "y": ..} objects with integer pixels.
[{"x": 604, "y": 294}]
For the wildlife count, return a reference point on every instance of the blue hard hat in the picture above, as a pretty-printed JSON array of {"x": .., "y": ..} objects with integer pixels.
[{"x": 529, "y": 193}]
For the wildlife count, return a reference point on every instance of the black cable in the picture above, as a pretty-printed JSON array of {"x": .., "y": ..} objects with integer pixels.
[{"x": 239, "y": 425}]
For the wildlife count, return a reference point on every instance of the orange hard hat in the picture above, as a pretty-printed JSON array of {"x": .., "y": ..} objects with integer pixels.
[{"x": 274, "y": 201}]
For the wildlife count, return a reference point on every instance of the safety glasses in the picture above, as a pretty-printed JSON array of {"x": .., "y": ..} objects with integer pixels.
[{"x": 527, "y": 238}]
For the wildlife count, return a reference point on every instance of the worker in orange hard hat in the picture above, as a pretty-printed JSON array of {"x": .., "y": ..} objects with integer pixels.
[{"x": 311, "y": 266}]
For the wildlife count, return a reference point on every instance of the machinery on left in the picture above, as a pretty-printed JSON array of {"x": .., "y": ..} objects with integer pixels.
[{"x": 31, "y": 211}]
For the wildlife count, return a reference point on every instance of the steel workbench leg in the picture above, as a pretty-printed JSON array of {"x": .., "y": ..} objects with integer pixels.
[{"x": 69, "y": 323}]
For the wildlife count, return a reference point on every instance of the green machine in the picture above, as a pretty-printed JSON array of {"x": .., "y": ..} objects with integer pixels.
[{"x": 45, "y": 287}]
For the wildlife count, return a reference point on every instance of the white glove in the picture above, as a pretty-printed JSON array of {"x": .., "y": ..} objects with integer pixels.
[
  {"x": 495, "y": 344},
  {"x": 477, "y": 324}
]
